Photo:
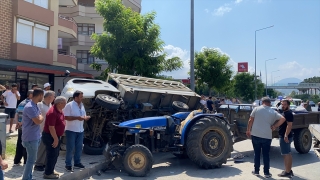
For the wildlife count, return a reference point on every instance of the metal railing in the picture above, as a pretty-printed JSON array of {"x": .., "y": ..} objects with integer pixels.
[{"x": 68, "y": 19}]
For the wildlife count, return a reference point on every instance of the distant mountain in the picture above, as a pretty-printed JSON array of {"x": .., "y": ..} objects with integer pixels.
[
  {"x": 289, "y": 80},
  {"x": 286, "y": 81}
]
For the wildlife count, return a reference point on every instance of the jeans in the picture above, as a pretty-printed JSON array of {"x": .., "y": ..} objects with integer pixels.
[
  {"x": 20, "y": 150},
  {"x": 52, "y": 153},
  {"x": 32, "y": 150},
  {"x": 1, "y": 174},
  {"x": 74, "y": 142},
  {"x": 264, "y": 144}
]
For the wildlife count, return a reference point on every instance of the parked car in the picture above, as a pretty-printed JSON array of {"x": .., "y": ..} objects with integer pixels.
[
  {"x": 124, "y": 97},
  {"x": 312, "y": 104}
]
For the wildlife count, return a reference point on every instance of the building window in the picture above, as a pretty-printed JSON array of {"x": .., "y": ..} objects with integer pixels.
[
  {"x": 84, "y": 57},
  {"x": 41, "y": 3},
  {"x": 32, "y": 34},
  {"x": 86, "y": 29}
]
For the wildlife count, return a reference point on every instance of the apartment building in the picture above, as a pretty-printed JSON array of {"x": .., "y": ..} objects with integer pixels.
[
  {"x": 41, "y": 39},
  {"x": 88, "y": 22}
]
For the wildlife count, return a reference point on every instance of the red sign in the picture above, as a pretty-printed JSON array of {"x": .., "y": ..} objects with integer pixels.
[
  {"x": 243, "y": 67},
  {"x": 185, "y": 81}
]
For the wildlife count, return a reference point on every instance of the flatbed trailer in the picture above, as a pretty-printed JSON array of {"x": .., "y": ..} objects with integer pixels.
[{"x": 238, "y": 116}]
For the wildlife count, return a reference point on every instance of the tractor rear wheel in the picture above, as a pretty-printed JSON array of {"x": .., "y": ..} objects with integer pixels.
[{"x": 209, "y": 142}]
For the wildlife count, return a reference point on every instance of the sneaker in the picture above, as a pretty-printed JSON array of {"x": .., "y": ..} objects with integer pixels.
[
  {"x": 54, "y": 172},
  {"x": 79, "y": 166},
  {"x": 69, "y": 168},
  {"x": 291, "y": 173},
  {"x": 51, "y": 176},
  {"x": 285, "y": 174},
  {"x": 255, "y": 173},
  {"x": 267, "y": 175},
  {"x": 38, "y": 168},
  {"x": 16, "y": 164}
]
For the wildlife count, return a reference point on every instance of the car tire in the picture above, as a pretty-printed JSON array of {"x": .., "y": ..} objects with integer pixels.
[
  {"x": 209, "y": 142},
  {"x": 93, "y": 150},
  {"x": 107, "y": 101},
  {"x": 180, "y": 106}
]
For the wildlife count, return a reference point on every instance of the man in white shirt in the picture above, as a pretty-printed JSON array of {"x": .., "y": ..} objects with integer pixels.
[
  {"x": 46, "y": 87},
  {"x": 10, "y": 99},
  {"x": 203, "y": 101},
  {"x": 75, "y": 114},
  {"x": 44, "y": 107}
]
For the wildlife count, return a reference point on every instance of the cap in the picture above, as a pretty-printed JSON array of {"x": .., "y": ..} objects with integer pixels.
[{"x": 46, "y": 85}]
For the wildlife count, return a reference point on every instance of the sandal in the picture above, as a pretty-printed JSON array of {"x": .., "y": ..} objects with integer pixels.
[{"x": 10, "y": 131}]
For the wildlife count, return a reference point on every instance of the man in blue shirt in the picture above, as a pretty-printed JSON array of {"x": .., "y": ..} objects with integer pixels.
[
  {"x": 20, "y": 150},
  {"x": 31, "y": 131}
]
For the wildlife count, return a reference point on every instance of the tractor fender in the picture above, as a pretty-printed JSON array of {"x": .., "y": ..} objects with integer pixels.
[{"x": 188, "y": 125}]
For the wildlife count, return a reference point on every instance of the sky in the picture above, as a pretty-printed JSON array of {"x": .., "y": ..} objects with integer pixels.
[{"x": 230, "y": 25}]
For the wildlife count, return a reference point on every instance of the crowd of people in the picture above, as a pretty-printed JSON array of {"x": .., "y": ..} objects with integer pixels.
[
  {"x": 213, "y": 103},
  {"x": 42, "y": 119}
]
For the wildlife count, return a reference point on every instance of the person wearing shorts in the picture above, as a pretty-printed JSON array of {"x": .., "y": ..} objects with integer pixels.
[
  {"x": 10, "y": 99},
  {"x": 285, "y": 138}
]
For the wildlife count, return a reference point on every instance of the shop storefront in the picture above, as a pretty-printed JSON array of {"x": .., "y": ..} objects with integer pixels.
[
  {"x": 24, "y": 80},
  {"x": 24, "y": 74}
]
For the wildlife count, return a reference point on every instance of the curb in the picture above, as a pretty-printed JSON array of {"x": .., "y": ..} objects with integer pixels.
[{"x": 85, "y": 173}]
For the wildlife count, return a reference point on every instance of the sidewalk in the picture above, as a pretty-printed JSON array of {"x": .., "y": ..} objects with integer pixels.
[{"x": 92, "y": 164}]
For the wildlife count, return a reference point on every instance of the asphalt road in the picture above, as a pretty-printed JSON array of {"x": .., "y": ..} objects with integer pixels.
[{"x": 168, "y": 167}]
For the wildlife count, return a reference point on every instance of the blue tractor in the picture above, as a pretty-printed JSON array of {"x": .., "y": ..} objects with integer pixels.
[{"x": 205, "y": 138}]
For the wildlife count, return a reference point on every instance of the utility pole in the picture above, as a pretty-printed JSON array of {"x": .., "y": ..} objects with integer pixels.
[{"x": 192, "y": 80}]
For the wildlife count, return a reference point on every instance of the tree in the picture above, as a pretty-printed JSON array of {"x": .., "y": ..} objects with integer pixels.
[
  {"x": 212, "y": 68},
  {"x": 314, "y": 79},
  {"x": 131, "y": 42},
  {"x": 272, "y": 93},
  {"x": 244, "y": 86}
]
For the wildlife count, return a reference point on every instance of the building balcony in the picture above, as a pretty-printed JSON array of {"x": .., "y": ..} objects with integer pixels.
[
  {"x": 135, "y": 5},
  {"x": 67, "y": 27},
  {"x": 30, "y": 53},
  {"x": 68, "y": 2},
  {"x": 24, "y": 9},
  {"x": 82, "y": 40},
  {"x": 80, "y": 12},
  {"x": 67, "y": 60}
]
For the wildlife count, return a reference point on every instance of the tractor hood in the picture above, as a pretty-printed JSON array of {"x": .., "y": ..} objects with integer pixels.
[{"x": 145, "y": 123}]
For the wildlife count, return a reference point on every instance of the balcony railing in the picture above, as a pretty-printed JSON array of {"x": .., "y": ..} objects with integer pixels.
[{"x": 68, "y": 19}]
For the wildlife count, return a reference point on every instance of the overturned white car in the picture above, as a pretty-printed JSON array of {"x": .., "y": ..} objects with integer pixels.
[{"x": 124, "y": 97}]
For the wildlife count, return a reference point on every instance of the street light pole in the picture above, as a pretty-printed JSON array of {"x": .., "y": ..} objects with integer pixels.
[
  {"x": 255, "y": 60},
  {"x": 272, "y": 76},
  {"x": 267, "y": 74},
  {"x": 192, "y": 80},
  {"x": 274, "y": 80}
]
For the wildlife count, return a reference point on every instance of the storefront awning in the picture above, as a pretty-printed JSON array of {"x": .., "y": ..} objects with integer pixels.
[{"x": 14, "y": 65}]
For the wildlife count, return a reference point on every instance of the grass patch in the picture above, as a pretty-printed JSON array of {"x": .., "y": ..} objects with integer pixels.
[{"x": 11, "y": 146}]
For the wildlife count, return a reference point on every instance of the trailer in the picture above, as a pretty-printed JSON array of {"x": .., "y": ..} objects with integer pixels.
[{"x": 239, "y": 114}]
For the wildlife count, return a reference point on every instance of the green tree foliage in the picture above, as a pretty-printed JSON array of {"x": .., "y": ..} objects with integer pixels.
[
  {"x": 244, "y": 86},
  {"x": 212, "y": 68},
  {"x": 314, "y": 79},
  {"x": 130, "y": 42},
  {"x": 272, "y": 93}
]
